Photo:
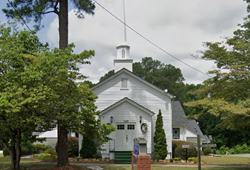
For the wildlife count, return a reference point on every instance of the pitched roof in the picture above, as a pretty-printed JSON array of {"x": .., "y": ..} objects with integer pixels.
[
  {"x": 193, "y": 127},
  {"x": 124, "y": 70},
  {"x": 178, "y": 114},
  {"x": 178, "y": 118},
  {"x": 125, "y": 99}
]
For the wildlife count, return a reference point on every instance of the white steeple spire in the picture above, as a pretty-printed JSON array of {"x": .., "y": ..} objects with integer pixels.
[{"x": 122, "y": 58}]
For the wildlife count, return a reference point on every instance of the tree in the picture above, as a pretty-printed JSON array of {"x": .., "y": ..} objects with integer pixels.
[
  {"x": 25, "y": 10},
  {"x": 20, "y": 92},
  {"x": 160, "y": 142},
  {"x": 38, "y": 89},
  {"x": 227, "y": 92}
]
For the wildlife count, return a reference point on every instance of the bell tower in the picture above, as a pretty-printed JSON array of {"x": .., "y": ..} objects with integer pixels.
[{"x": 123, "y": 59}]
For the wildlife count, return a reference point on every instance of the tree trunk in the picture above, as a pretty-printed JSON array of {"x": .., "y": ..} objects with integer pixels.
[
  {"x": 62, "y": 147},
  {"x": 63, "y": 24},
  {"x": 18, "y": 149}
]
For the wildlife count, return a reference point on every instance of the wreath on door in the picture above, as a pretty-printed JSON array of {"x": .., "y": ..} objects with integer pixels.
[{"x": 144, "y": 127}]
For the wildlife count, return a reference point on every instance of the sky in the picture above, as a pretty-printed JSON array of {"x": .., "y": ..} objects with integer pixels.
[{"x": 179, "y": 27}]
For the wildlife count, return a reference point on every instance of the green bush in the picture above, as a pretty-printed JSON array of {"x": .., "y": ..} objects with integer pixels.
[
  {"x": 39, "y": 148},
  {"x": 50, "y": 151},
  {"x": 88, "y": 149},
  {"x": 1, "y": 147},
  {"x": 160, "y": 141},
  {"x": 192, "y": 159},
  {"x": 180, "y": 152},
  {"x": 46, "y": 157},
  {"x": 207, "y": 151},
  {"x": 5, "y": 152},
  {"x": 73, "y": 146}
]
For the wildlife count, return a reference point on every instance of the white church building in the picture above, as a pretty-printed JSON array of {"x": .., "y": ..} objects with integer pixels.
[{"x": 131, "y": 105}]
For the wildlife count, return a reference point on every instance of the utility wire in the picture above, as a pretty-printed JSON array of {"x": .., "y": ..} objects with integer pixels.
[
  {"x": 150, "y": 40},
  {"x": 24, "y": 22}
]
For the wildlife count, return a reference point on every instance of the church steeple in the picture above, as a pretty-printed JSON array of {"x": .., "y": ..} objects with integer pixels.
[{"x": 122, "y": 56}]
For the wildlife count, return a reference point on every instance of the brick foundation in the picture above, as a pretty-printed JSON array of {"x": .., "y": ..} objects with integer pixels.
[{"x": 143, "y": 162}]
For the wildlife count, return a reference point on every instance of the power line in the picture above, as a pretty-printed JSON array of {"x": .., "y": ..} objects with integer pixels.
[
  {"x": 24, "y": 22},
  {"x": 150, "y": 40}
]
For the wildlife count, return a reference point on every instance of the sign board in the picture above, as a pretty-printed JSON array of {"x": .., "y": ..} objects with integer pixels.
[
  {"x": 208, "y": 145},
  {"x": 203, "y": 146},
  {"x": 136, "y": 149},
  {"x": 189, "y": 146}
]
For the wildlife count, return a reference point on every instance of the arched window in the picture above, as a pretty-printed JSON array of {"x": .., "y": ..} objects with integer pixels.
[{"x": 123, "y": 53}]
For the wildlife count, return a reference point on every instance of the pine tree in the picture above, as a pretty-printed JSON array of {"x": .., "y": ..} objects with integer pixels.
[{"x": 160, "y": 142}]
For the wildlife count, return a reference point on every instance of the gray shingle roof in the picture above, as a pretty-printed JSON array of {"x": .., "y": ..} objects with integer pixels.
[{"x": 178, "y": 118}]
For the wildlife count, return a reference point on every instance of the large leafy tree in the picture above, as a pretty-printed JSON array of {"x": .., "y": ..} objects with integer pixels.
[
  {"x": 38, "y": 89},
  {"x": 160, "y": 142},
  {"x": 227, "y": 93},
  {"x": 20, "y": 90},
  {"x": 36, "y": 9}
]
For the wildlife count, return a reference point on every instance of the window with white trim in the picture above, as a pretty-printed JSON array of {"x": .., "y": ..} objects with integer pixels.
[{"x": 176, "y": 133}]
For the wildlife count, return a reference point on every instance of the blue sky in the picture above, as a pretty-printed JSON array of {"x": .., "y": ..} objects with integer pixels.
[{"x": 179, "y": 27}]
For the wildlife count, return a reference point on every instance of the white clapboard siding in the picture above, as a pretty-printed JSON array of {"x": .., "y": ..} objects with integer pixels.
[{"x": 140, "y": 92}]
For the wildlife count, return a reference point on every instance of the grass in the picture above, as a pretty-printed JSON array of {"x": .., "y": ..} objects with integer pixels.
[
  {"x": 223, "y": 160},
  {"x": 226, "y": 160}
]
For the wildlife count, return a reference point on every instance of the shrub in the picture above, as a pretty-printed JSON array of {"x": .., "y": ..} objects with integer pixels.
[
  {"x": 50, "y": 151},
  {"x": 207, "y": 151},
  {"x": 39, "y": 148},
  {"x": 73, "y": 146},
  {"x": 180, "y": 152},
  {"x": 88, "y": 149},
  {"x": 46, "y": 157},
  {"x": 5, "y": 152},
  {"x": 192, "y": 159},
  {"x": 160, "y": 138}
]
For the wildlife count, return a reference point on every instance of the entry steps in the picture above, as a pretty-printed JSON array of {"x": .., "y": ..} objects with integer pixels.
[{"x": 122, "y": 157}]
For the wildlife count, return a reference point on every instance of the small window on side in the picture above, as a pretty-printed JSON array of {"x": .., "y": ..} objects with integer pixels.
[{"x": 176, "y": 133}]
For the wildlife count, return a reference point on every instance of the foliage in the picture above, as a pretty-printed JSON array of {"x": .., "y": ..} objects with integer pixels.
[
  {"x": 50, "y": 151},
  {"x": 46, "y": 157},
  {"x": 73, "y": 146},
  {"x": 176, "y": 159},
  {"x": 103, "y": 131},
  {"x": 160, "y": 143},
  {"x": 39, "y": 87},
  {"x": 26, "y": 10},
  {"x": 180, "y": 152},
  {"x": 88, "y": 149},
  {"x": 193, "y": 159},
  {"x": 227, "y": 92},
  {"x": 238, "y": 149},
  {"x": 207, "y": 151}
]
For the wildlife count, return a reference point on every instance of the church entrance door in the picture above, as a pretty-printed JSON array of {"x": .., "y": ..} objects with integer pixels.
[{"x": 125, "y": 134}]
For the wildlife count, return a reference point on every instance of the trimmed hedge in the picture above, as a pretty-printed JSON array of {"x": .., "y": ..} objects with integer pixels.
[{"x": 180, "y": 152}]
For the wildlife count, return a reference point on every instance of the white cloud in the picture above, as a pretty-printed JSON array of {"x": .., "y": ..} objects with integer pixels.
[{"x": 179, "y": 27}]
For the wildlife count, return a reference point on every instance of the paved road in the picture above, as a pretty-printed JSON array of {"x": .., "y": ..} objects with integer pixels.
[{"x": 240, "y": 155}]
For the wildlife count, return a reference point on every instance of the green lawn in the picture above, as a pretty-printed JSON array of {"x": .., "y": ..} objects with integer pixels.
[
  {"x": 226, "y": 160},
  {"x": 223, "y": 160}
]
